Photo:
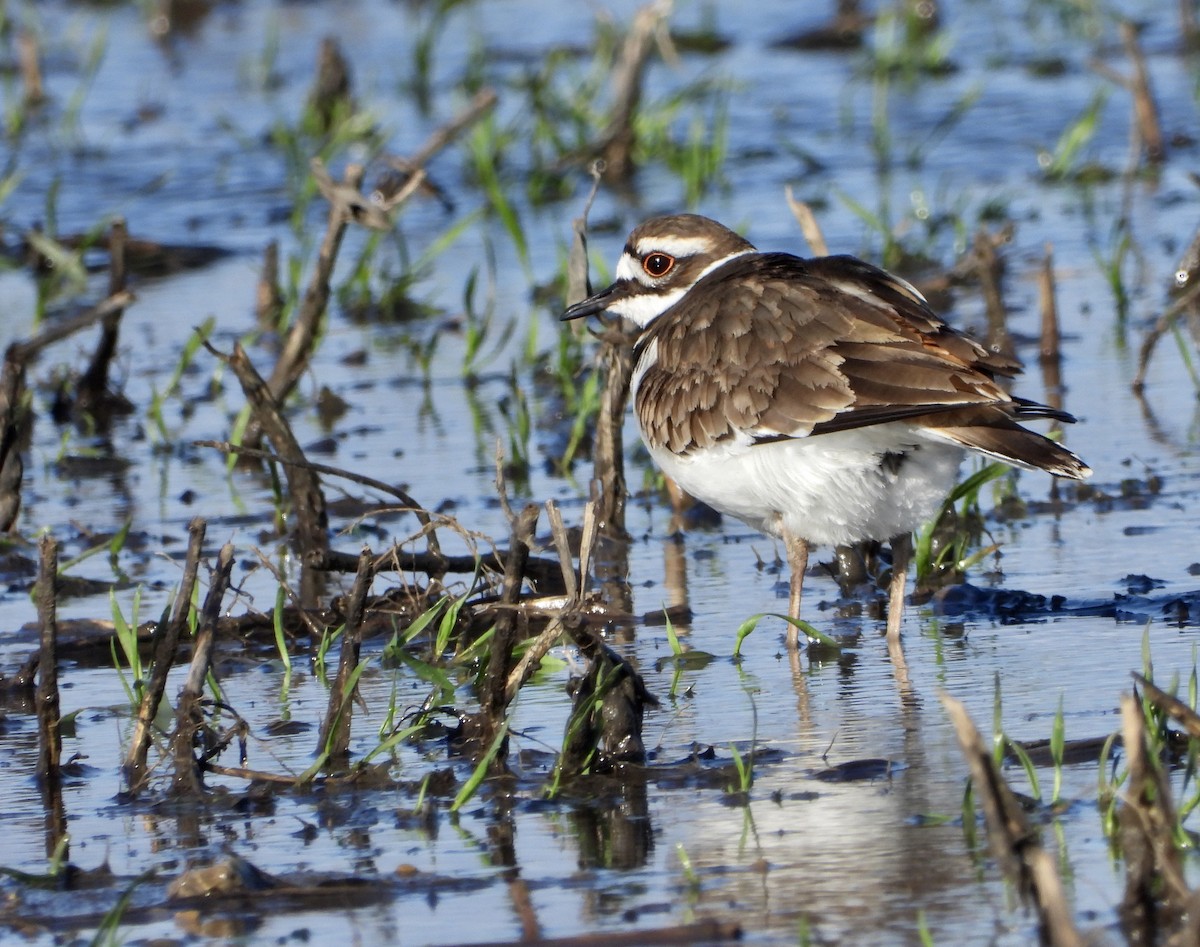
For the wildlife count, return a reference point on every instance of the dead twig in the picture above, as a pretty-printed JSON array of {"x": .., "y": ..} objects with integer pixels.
[
  {"x": 493, "y": 692},
  {"x": 615, "y": 145},
  {"x": 49, "y": 738},
  {"x": 1145, "y": 109},
  {"x": 1161, "y": 326},
  {"x": 423, "y": 516},
  {"x": 166, "y": 646},
  {"x": 60, "y": 330},
  {"x": 346, "y": 204},
  {"x": 808, "y": 224},
  {"x": 1156, "y": 894},
  {"x": 553, "y": 631},
  {"x": 1173, "y": 707},
  {"x": 330, "y": 97},
  {"x": 989, "y": 269},
  {"x": 268, "y": 297},
  {"x": 1013, "y": 840},
  {"x": 30, "y": 67},
  {"x": 92, "y": 390},
  {"x": 408, "y": 168},
  {"x": 335, "y": 730},
  {"x": 14, "y": 414},
  {"x": 304, "y": 487},
  {"x": 14, "y": 420},
  {"x": 616, "y": 362},
  {"x": 188, "y": 716}
]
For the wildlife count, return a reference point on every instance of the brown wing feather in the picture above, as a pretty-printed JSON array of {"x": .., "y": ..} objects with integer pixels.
[{"x": 782, "y": 347}]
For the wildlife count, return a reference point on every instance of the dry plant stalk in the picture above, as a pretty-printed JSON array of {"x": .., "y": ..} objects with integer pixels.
[
  {"x": 558, "y": 624},
  {"x": 49, "y": 738},
  {"x": 335, "y": 730},
  {"x": 30, "y": 67},
  {"x": 989, "y": 268},
  {"x": 1145, "y": 109},
  {"x": 493, "y": 702},
  {"x": 808, "y": 223},
  {"x": 304, "y": 486},
  {"x": 268, "y": 297},
  {"x": 188, "y": 716},
  {"x": 1173, "y": 707},
  {"x": 616, "y": 143},
  {"x": 331, "y": 92},
  {"x": 14, "y": 417},
  {"x": 411, "y": 171},
  {"x": 297, "y": 347},
  {"x": 1014, "y": 842},
  {"x": 1156, "y": 894},
  {"x": 166, "y": 647},
  {"x": 609, "y": 487},
  {"x": 93, "y": 384},
  {"x": 1161, "y": 326},
  {"x": 14, "y": 421},
  {"x": 1189, "y": 26},
  {"x": 1051, "y": 336}
]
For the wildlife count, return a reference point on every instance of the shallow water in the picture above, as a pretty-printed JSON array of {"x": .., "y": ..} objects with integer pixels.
[{"x": 863, "y": 861}]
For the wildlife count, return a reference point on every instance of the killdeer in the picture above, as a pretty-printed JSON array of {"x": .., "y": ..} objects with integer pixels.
[{"x": 819, "y": 400}]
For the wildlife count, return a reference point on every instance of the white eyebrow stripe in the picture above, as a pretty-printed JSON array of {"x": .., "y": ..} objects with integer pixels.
[{"x": 674, "y": 246}]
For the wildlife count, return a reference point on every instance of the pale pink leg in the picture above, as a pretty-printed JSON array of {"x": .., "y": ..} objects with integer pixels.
[
  {"x": 797, "y": 553},
  {"x": 901, "y": 556}
]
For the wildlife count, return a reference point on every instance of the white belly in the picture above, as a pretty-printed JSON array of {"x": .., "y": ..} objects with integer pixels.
[{"x": 830, "y": 489}]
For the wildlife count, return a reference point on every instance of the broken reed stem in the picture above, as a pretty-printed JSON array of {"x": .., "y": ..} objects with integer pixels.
[
  {"x": 1014, "y": 842},
  {"x": 1156, "y": 893},
  {"x": 49, "y": 738},
  {"x": 616, "y": 361},
  {"x": 808, "y": 223},
  {"x": 331, "y": 94},
  {"x": 1160, "y": 328},
  {"x": 617, "y": 141},
  {"x": 494, "y": 691},
  {"x": 268, "y": 297},
  {"x": 1173, "y": 707},
  {"x": 166, "y": 647},
  {"x": 304, "y": 486},
  {"x": 335, "y": 730},
  {"x": 14, "y": 417},
  {"x": 1145, "y": 110},
  {"x": 1049, "y": 351},
  {"x": 93, "y": 385},
  {"x": 608, "y": 477},
  {"x": 553, "y": 631},
  {"x": 989, "y": 269},
  {"x": 297, "y": 348},
  {"x": 483, "y": 102},
  {"x": 30, "y": 68},
  {"x": 423, "y": 516},
  {"x": 60, "y": 330},
  {"x": 579, "y": 285},
  {"x": 1189, "y": 26},
  {"x": 188, "y": 716}
]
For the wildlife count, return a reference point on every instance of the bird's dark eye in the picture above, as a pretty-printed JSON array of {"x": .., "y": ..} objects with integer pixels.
[{"x": 657, "y": 264}]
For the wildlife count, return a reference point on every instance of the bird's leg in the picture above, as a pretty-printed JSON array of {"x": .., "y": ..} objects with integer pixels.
[
  {"x": 901, "y": 556},
  {"x": 797, "y": 553}
]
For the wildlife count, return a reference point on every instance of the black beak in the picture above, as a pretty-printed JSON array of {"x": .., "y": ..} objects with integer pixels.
[{"x": 597, "y": 303}]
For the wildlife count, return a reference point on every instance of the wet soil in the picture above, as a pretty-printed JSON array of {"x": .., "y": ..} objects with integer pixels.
[{"x": 852, "y": 831}]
